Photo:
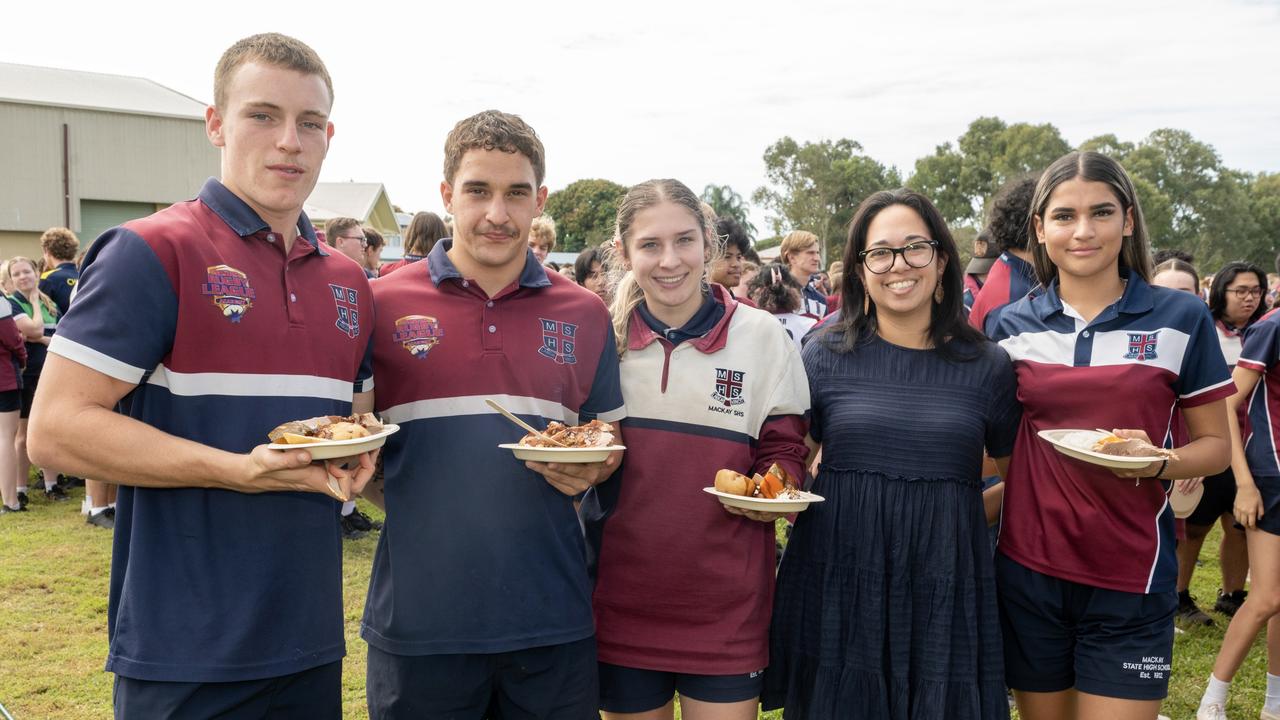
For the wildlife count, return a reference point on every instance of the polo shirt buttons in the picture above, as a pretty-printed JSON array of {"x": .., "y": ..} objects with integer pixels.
[
  {"x": 489, "y": 304},
  {"x": 466, "y": 284},
  {"x": 493, "y": 328},
  {"x": 1085, "y": 333},
  {"x": 293, "y": 297}
]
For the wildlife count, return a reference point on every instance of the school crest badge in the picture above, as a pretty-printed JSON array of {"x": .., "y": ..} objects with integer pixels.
[
  {"x": 729, "y": 387},
  {"x": 1142, "y": 346},
  {"x": 230, "y": 291},
  {"x": 348, "y": 309},
  {"x": 559, "y": 341},
  {"x": 418, "y": 334}
]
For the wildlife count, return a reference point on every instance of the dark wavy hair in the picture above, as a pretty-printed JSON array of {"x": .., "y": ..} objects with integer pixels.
[
  {"x": 1009, "y": 220},
  {"x": 947, "y": 323},
  {"x": 783, "y": 296},
  {"x": 582, "y": 264},
  {"x": 1226, "y": 276},
  {"x": 732, "y": 234},
  {"x": 424, "y": 230}
]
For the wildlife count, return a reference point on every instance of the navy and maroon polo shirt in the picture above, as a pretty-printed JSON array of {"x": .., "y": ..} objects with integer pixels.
[
  {"x": 225, "y": 338},
  {"x": 59, "y": 283},
  {"x": 1010, "y": 279},
  {"x": 1261, "y": 354},
  {"x": 479, "y": 553},
  {"x": 1132, "y": 366}
]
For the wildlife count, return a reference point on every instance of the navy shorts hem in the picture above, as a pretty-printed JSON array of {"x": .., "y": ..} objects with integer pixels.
[
  {"x": 1122, "y": 691},
  {"x": 632, "y": 690},
  {"x": 10, "y": 400},
  {"x": 1038, "y": 683}
]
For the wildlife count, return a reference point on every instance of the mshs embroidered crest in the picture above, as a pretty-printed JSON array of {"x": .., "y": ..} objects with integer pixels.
[
  {"x": 230, "y": 291},
  {"x": 729, "y": 387},
  {"x": 348, "y": 310},
  {"x": 418, "y": 334},
  {"x": 559, "y": 341},
  {"x": 1142, "y": 346}
]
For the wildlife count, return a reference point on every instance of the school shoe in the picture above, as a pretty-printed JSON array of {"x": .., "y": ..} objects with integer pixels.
[
  {"x": 360, "y": 521},
  {"x": 105, "y": 519},
  {"x": 56, "y": 494},
  {"x": 1229, "y": 603},
  {"x": 22, "y": 500},
  {"x": 1188, "y": 613},
  {"x": 1211, "y": 712},
  {"x": 70, "y": 481},
  {"x": 5, "y": 509},
  {"x": 349, "y": 530}
]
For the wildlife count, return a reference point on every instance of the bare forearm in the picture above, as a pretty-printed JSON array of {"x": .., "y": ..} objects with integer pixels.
[
  {"x": 1239, "y": 463},
  {"x": 1202, "y": 457}
]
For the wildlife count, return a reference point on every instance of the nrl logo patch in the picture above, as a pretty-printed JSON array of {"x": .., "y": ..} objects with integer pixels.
[
  {"x": 418, "y": 334},
  {"x": 728, "y": 387},
  {"x": 348, "y": 311},
  {"x": 559, "y": 341},
  {"x": 230, "y": 291},
  {"x": 1142, "y": 346}
]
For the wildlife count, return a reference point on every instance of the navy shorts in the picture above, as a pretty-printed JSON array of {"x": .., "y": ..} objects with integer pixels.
[
  {"x": 314, "y": 693},
  {"x": 10, "y": 400},
  {"x": 632, "y": 690},
  {"x": 1219, "y": 497},
  {"x": 1269, "y": 489},
  {"x": 1060, "y": 634},
  {"x": 557, "y": 682},
  {"x": 28, "y": 395}
]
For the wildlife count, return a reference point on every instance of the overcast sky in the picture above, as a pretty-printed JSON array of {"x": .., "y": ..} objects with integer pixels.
[{"x": 697, "y": 90}]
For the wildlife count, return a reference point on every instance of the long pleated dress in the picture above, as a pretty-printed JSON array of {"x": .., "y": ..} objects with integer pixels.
[{"x": 886, "y": 601}]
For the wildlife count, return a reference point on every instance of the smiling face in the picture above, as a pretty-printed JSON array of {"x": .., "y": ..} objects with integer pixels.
[
  {"x": 804, "y": 263},
  {"x": 902, "y": 290},
  {"x": 24, "y": 277},
  {"x": 274, "y": 133},
  {"x": 494, "y": 198},
  {"x": 667, "y": 253},
  {"x": 727, "y": 270},
  {"x": 1083, "y": 228}
]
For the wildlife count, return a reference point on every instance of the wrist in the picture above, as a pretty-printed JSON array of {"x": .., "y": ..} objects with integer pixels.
[{"x": 1159, "y": 473}]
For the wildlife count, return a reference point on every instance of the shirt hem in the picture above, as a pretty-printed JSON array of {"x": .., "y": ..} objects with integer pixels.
[
  {"x": 169, "y": 672},
  {"x": 469, "y": 647},
  {"x": 664, "y": 662},
  {"x": 1097, "y": 582}
]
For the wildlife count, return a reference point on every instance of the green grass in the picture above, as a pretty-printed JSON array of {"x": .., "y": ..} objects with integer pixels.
[{"x": 53, "y": 636}]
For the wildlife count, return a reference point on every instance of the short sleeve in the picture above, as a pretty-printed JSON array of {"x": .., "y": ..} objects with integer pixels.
[
  {"x": 1004, "y": 412},
  {"x": 15, "y": 309},
  {"x": 1204, "y": 376},
  {"x": 125, "y": 315},
  {"x": 364, "y": 375},
  {"x": 1261, "y": 346},
  {"x": 604, "y": 402}
]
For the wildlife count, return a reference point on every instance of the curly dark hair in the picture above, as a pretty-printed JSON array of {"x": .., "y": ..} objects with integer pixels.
[
  {"x": 775, "y": 289},
  {"x": 732, "y": 234},
  {"x": 1009, "y": 220}
]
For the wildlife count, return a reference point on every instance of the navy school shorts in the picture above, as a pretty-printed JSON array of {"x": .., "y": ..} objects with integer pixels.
[
  {"x": 1060, "y": 634},
  {"x": 632, "y": 690},
  {"x": 556, "y": 682},
  {"x": 312, "y": 694},
  {"x": 10, "y": 400}
]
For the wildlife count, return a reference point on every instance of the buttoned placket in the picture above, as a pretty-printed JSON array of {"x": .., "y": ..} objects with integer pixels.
[{"x": 300, "y": 249}]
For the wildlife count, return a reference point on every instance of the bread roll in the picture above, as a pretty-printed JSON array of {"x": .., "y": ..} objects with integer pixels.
[{"x": 728, "y": 481}]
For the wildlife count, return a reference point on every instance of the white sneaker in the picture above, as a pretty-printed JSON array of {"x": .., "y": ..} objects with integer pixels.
[{"x": 1211, "y": 712}]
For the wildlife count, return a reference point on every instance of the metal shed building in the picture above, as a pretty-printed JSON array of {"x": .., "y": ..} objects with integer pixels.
[{"x": 88, "y": 151}]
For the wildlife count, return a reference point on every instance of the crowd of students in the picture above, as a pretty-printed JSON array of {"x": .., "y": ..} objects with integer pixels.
[{"x": 504, "y": 589}]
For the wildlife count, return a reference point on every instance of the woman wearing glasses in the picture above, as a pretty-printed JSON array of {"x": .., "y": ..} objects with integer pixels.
[
  {"x": 1085, "y": 565},
  {"x": 885, "y": 604}
]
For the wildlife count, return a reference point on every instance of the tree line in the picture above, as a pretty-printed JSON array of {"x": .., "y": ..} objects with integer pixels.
[{"x": 1192, "y": 201}]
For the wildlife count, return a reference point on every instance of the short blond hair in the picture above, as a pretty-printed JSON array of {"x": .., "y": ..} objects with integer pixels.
[
  {"x": 543, "y": 231},
  {"x": 794, "y": 242},
  {"x": 270, "y": 49}
]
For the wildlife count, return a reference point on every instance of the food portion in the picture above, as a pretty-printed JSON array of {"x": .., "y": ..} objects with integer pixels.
[
  {"x": 326, "y": 427},
  {"x": 1130, "y": 447},
  {"x": 592, "y": 434},
  {"x": 775, "y": 484}
]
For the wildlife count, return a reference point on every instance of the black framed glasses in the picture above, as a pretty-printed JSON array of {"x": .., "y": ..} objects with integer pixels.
[
  {"x": 915, "y": 254},
  {"x": 1244, "y": 293},
  {"x": 364, "y": 242}
]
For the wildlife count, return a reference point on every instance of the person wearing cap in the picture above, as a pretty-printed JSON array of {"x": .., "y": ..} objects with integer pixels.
[{"x": 975, "y": 273}]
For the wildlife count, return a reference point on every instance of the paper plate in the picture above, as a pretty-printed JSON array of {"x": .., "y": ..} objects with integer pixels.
[
  {"x": 561, "y": 455},
  {"x": 329, "y": 449},
  {"x": 1184, "y": 505},
  {"x": 1077, "y": 444},
  {"x": 777, "y": 505}
]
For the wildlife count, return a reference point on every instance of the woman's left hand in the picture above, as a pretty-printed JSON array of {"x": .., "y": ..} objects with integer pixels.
[
  {"x": 757, "y": 515},
  {"x": 1145, "y": 471}
]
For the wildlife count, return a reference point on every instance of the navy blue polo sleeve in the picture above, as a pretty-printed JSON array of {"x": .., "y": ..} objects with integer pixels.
[
  {"x": 1004, "y": 412},
  {"x": 1204, "y": 376},
  {"x": 604, "y": 402},
  {"x": 1261, "y": 345}
]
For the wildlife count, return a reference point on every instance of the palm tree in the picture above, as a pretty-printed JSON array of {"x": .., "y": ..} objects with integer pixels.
[{"x": 728, "y": 203}]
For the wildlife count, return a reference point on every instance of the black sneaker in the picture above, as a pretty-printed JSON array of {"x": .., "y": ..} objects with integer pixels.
[
  {"x": 105, "y": 520},
  {"x": 349, "y": 529},
  {"x": 56, "y": 494},
  {"x": 360, "y": 521},
  {"x": 22, "y": 500},
  {"x": 1188, "y": 613},
  {"x": 1229, "y": 603},
  {"x": 5, "y": 509},
  {"x": 70, "y": 481}
]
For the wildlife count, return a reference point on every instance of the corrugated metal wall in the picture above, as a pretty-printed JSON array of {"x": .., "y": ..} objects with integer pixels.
[{"x": 113, "y": 157}]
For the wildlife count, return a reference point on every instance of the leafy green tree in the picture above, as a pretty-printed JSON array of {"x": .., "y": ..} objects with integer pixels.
[
  {"x": 584, "y": 212},
  {"x": 960, "y": 178},
  {"x": 728, "y": 203},
  {"x": 1264, "y": 206},
  {"x": 818, "y": 186}
]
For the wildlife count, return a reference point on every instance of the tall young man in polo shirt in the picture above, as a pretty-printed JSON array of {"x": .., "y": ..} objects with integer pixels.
[
  {"x": 480, "y": 604},
  {"x": 220, "y": 317},
  {"x": 59, "y": 247}
]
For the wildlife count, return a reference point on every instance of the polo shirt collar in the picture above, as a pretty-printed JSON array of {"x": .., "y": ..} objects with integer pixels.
[
  {"x": 1137, "y": 299},
  {"x": 1018, "y": 265},
  {"x": 640, "y": 335},
  {"x": 243, "y": 220},
  {"x": 442, "y": 268}
]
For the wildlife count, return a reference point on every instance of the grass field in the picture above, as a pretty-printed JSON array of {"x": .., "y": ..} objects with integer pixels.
[{"x": 53, "y": 627}]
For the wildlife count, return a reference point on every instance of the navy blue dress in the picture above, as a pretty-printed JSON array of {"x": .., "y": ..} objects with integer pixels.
[{"x": 886, "y": 603}]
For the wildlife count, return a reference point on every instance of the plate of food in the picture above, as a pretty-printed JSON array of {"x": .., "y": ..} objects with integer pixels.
[
  {"x": 560, "y": 443},
  {"x": 1102, "y": 448},
  {"x": 332, "y": 436},
  {"x": 775, "y": 491}
]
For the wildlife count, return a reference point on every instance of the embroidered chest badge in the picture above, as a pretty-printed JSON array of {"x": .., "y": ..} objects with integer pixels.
[
  {"x": 1142, "y": 346},
  {"x": 230, "y": 291},
  {"x": 418, "y": 334},
  {"x": 348, "y": 309},
  {"x": 729, "y": 387},
  {"x": 559, "y": 341}
]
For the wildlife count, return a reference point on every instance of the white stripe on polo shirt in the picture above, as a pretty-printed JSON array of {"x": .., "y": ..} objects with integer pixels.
[
  {"x": 475, "y": 405},
  {"x": 1202, "y": 391},
  {"x": 251, "y": 385},
  {"x": 1155, "y": 558},
  {"x": 366, "y": 385},
  {"x": 94, "y": 360},
  {"x": 1111, "y": 346},
  {"x": 1046, "y": 347}
]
